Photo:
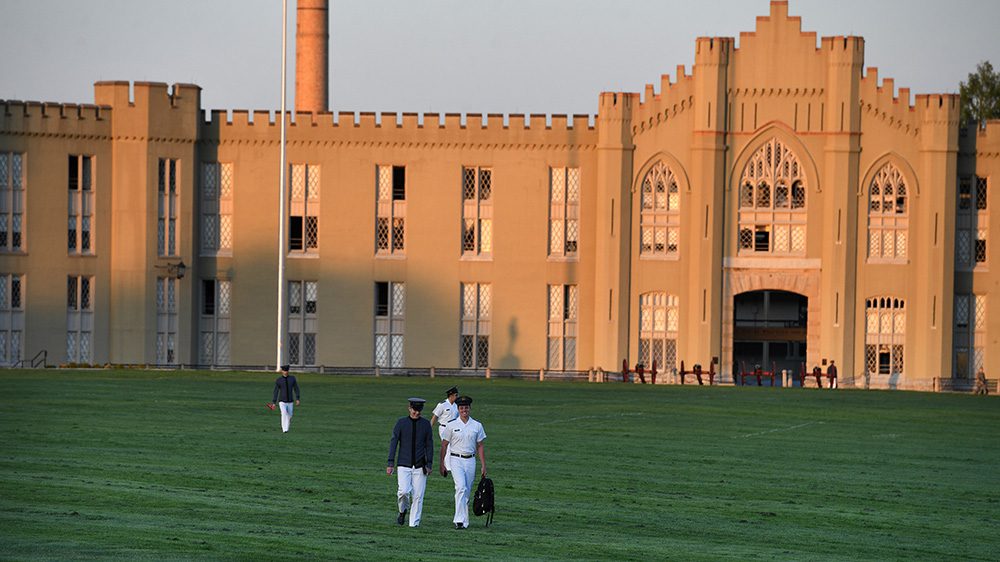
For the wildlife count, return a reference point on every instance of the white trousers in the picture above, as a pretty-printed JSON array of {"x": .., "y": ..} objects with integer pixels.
[
  {"x": 447, "y": 454},
  {"x": 411, "y": 483},
  {"x": 463, "y": 471},
  {"x": 286, "y": 415}
]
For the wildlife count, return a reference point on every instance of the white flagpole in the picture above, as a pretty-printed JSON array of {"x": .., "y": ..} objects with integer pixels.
[{"x": 282, "y": 199}]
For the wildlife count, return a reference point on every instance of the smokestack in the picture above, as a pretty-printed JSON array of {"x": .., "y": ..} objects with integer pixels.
[{"x": 312, "y": 56}]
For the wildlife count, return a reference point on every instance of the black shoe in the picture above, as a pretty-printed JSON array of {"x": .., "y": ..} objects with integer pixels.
[
  {"x": 402, "y": 518},
  {"x": 458, "y": 527}
]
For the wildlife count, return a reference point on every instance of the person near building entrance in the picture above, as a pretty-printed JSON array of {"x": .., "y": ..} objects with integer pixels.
[
  {"x": 284, "y": 387},
  {"x": 981, "y": 386},
  {"x": 465, "y": 438},
  {"x": 831, "y": 374},
  {"x": 411, "y": 437},
  {"x": 443, "y": 413}
]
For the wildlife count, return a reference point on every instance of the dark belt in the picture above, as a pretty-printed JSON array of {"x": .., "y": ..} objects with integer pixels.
[{"x": 462, "y": 456}]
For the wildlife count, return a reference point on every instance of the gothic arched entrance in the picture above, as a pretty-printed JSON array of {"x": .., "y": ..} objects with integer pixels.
[{"x": 770, "y": 329}]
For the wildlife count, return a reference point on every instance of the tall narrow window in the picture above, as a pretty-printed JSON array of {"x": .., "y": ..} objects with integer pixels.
[
  {"x": 302, "y": 322},
  {"x": 81, "y": 204},
  {"x": 772, "y": 200},
  {"x": 216, "y": 306},
  {"x": 166, "y": 320},
  {"x": 216, "y": 208},
  {"x": 303, "y": 228},
  {"x": 885, "y": 336},
  {"x": 888, "y": 216},
  {"x": 12, "y": 186},
  {"x": 564, "y": 212},
  {"x": 970, "y": 335},
  {"x": 562, "y": 331},
  {"x": 79, "y": 319},
  {"x": 11, "y": 318},
  {"x": 167, "y": 208},
  {"x": 658, "y": 327},
  {"x": 474, "y": 345},
  {"x": 477, "y": 212},
  {"x": 660, "y": 227},
  {"x": 390, "y": 307},
  {"x": 390, "y": 219}
]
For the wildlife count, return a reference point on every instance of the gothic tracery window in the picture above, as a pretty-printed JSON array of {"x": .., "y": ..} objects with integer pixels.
[
  {"x": 885, "y": 335},
  {"x": 660, "y": 216},
  {"x": 888, "y": 216},
  {"x": 772, "y": 199}
]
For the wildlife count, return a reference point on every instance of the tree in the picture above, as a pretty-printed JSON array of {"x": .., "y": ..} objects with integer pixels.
[{"x": 981, "y": 95}]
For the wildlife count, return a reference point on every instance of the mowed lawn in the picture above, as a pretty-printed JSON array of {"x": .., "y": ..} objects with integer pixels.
[{"x": 166, "y": 465}]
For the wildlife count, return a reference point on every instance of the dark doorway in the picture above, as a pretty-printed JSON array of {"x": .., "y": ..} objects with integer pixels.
[{"x": 769, "y": 328}]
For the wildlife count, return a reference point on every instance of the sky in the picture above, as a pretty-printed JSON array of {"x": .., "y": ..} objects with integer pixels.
[{"x": 454, "y": 56}]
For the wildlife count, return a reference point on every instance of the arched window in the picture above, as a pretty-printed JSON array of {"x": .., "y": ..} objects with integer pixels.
[
  {"x": 885, "y": 335},
  {"x": 888, "y": 216},
  {"x": 660, "y": 228},
  {"x": 772, "y": 214},
  {"x": 658, "y": 321}
]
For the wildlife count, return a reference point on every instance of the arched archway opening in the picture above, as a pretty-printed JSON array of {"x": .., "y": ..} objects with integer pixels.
[{"x": 769, "y": 329}]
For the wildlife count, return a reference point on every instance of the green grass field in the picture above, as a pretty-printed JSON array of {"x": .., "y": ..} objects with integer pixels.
[{"x": 166, "y": 465}]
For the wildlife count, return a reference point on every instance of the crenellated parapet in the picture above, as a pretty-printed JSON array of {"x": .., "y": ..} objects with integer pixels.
[
  {"x": 38, "y": 119},
  {"x": 988, "y": 140},
  {"x": 881, "y": 102},
  {"x": 151, "y": 110},
  {"x": 673, "y": 99},
  {"x": 409, "y": 129}
]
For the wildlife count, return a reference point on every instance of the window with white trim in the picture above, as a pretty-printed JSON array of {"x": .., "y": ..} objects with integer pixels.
[
  {"x": 11, "y": 318},
  {"x": 167, "y": 207},
  {"x": 390, "y": 212},
  {"x": 658, "y": 328},
  {"x": 390, "y": 308},
  {"x": 474, "y": 342},
  {"x": 166, "y": 321},
  {"x": 79, "y": 319},
  {"x": 81, "y": 204},
  {"x": 216, "y": 208},
  {"x": 970, "y": 335},
  {"x": 885, "y": 335},
  {"x": 888, "y": 216},
  {"x": 302, "y": 322},
  {"x": 660, "y": 219},
  {"x": 216, "y": 308},
  {"x": 12, "y": 187},
  {"x": 564, "y": 212},
  {"x": 303, "y": 218},
  {"x": 562, "y": 329},
  {"x": 772, "y": 201},
  {"x": 477, "y": 212}
]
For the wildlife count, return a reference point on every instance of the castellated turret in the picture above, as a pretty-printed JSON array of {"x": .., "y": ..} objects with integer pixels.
[{"x": 312, "y": 56}]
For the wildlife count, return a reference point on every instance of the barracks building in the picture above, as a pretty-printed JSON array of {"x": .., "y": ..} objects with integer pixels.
[{"x": 776, "y": 204}]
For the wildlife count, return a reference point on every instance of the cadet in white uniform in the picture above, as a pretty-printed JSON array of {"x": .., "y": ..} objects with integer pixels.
[
  {"x": 444, "y": 413},
  {"x": 463, "y": 439}
]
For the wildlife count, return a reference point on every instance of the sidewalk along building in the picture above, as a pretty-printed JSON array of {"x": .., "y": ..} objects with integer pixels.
[{"x": 777, "y": 204}]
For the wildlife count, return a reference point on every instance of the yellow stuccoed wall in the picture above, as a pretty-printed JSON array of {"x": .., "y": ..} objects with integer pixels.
[{"x": 705, "y": 123}]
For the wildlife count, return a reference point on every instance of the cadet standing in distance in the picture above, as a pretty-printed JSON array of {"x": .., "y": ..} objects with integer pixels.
[
  {"x": 412, "y": 434},
  {"x": 284, "y": 386},
  {"x": 444, "y": 413},
  {"x": 465, "y": 438}
]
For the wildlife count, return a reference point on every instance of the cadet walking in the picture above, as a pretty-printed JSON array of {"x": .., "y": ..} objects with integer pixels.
[
  {"x": 284, "y": 387},
  {"x": 412, "y": 436},
  {"x": 463, "y": 439},
  {"x": 444, "y": 412}
]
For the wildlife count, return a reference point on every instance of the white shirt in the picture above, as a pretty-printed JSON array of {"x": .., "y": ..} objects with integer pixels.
[
  {"x": 445, "y": 412},
  {"x": 463, "y": 437}
]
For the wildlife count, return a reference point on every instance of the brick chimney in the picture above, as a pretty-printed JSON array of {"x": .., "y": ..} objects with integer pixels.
[{"x": 312, "y": 56}]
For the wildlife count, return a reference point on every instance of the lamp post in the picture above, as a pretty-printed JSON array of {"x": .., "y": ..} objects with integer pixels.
[{"x": 282, "y": 200}]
